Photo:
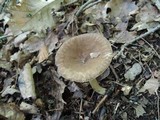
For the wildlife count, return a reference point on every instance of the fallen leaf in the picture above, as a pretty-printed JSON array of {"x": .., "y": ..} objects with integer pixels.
[
  {"x": 33, "y": 15},
  {"x": 151, "y": 85},
  {"x": 11, "y": 112},
  {"x": 139, "y": 110},
  {"x": 119, "y": 12},
  {"x": 20, "y": 38},
  {"x": 5, "y": 17},
  {"x": 9, "y": 90},
  {"x": 121, "y": 9},
  {"x": 135, "y": 70},
  {"x": 157, "y": 74},
  {"x": 26, "y": 82},
  {"x": 147, "y": 17},
  {"x": 27, "y": 108},
  {"x": 58, "y": 87},
  {"x": 33, "y": 44},
  {"x": 97, "y": 11},
  {"x": 43, "y": 54},
  {"x": 20, "y": 57},
  {"x": 124, "y": 116},
  {"x": 51, "y": 41},
  {"x": 56, "y": 90},
  {"x": 157, "y": 3},
  {"x": 77, "y": 93},
  {"x": 124, "y": 35},
  {"x": 7, "y": 82},
  {"x": 5, "y": 65}
]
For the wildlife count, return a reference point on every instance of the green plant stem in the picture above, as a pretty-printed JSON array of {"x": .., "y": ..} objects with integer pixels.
[{"x": 97, "y": 87}]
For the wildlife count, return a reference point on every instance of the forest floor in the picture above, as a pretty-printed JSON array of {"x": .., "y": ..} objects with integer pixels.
[{"x": 31, "y": 32}]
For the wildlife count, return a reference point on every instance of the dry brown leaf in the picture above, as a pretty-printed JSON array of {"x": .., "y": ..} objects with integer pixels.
[
  {"x": 27, "y": 108},
  {"x": 157, "y": 74},
  {"x": 11, "y": 112},
  {"x": 20, "y": 57},
  {"x": 43, "y": 54},
  {"x": 139, "y": 110},
  {"x": 147, "y": 17},
  {"x": 20, "y": 38},
  {"x": 9, "y": 90},
  {"x": 26, "y": 82},
  {"x": 157, "y": 3},
  {"x": 33, "y": 15},
  {"x": 97, "y": 11},
  {"x": 151, "y": 85},
  {"x": 33, "y": 44},
  {"x": 5, "y": 65},
  {"x": 135, "y": 70},
  {"x": 120, "y": 15},
  {"x": 51, "y": 41},
  {"x": 58, "y": 87},
  {"x": 123, "y": 36},
  {"x": 121, "y": 9}
]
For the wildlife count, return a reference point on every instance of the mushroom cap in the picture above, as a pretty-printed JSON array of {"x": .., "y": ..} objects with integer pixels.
[{"x": 84, "y": 57}]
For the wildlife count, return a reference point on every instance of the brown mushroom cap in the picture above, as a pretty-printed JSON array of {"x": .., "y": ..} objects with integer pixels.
[{"x": 84, "y": 57}]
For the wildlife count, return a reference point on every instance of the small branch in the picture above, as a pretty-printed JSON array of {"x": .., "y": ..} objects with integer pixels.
[
  {"x": 151, "y": 47},
  {"x": 80, "y": 108},
  {"x": 120, "y": 113},
  {"x": 134, "y": 40},
  {"x": 83, "y": 6},
  {"x": 70, "y": 3},
  {"x": 114, "y": 72},
  {"x": 2, "y": 37},
  {"x": 92, "y": 4},
  {"x": 109, "y": 91},
  {"x": 158, "y": 110},
  {"x": 99, "y": 104},
  {"x": 3, "y": 5}
]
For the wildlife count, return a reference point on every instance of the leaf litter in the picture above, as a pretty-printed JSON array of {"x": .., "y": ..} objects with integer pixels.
[{"x": 32, "y": 32}]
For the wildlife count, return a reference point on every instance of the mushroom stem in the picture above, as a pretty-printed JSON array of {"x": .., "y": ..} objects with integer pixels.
[{"x": 97, "y": 87}]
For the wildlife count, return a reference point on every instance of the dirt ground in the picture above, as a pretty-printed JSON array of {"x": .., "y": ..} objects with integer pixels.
[{"x": 32, "y": 33}]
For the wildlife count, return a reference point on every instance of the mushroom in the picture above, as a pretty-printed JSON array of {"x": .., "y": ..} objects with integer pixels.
[{"x": 83, "y": 58}]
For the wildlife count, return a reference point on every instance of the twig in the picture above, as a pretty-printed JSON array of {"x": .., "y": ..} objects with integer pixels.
[
  {"x": 2, "y": 37},
  {"x": 158, "y": 106},
  {"x": 151, "y": 47},
  {"x": 114, "y": 72},
  {"x": 134, "y": 40},
  {"x": 130, "y": 104},
  {"x": 83, "y": 6},
  {"x": 3, "y": 5},
  {"x": 80, "y": 108},
  {"x": 99, "y": 104},
  {"x": 92, "y": 4},
  {"x": 115, "y": 110},
  {"x": 110, "y": 90},
  {"x": 70, "y": 3}
]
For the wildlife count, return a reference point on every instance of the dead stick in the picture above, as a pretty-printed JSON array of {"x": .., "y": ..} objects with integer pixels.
[
  {"x": 110, "y": 90},
  {"x": 83, "y": 6},
  {"x": 134, "y": 40},
  {"x": 99, "y": 104},
  {"x": 92, "y": 4}
]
